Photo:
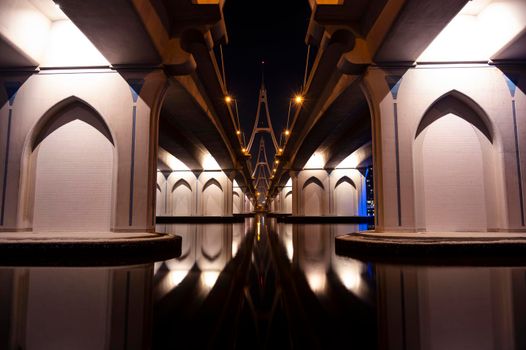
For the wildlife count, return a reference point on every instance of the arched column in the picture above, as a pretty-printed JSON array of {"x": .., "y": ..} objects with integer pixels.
[{"x": 400, "y": 99}]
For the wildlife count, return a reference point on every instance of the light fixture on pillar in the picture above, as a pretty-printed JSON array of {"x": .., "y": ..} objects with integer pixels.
[
  {"x": 228, "y": 99},
  {"x": 287, "y": 132}
]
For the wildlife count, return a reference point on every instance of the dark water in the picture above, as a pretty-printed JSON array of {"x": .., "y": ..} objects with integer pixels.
[{"x": 262, "y": 286}]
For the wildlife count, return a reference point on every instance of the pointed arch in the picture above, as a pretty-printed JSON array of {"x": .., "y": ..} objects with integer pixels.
[
  {"x": 289, "y": 193},
  {"x": 70, "y": 141},
  {"x": 313, "y": 180},
  {"x": 461, "y": 105},
  {"x": 212, "y": 182},
  {"x": 236, "y": 194},
  {"x": 181, "y": 182},
  {"x": 347, "y": 180},
  {"x": 65, "y": 111}
]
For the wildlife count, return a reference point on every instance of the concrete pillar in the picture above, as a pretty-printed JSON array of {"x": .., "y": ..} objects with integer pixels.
[
  {"x": 229, "y": 193},
  {"x": 127, "y": 103},
  {"x": 407, "y": 105},
  {"x": 296, "y": 193}
]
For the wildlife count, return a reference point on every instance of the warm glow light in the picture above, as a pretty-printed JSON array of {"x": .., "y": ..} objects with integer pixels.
[
  {"x": 316, "y": 161},
  {"x": 298, "y": 99},
  {"x": 209, "y": 279},
  {"x": 290, "y": 249},
  {"x": 67, "y": 46},
  {"x": 316, "y": 281},
  {"x": 176, "y": 277},
  {"x": 350, "y": 162},
  {"x": 228, "y": 99},
  {"x": 287, "y": 132},
  {"x": 349, "y": 272},
  {"x": 238, "y": 132},
  {"x": 276, "y": 161},
  {"x": 172, "y": 162},
  {"x": 209, "y": 163},
  {"x": 280, "y": 150},
  {"x": 478, "y": 32}
]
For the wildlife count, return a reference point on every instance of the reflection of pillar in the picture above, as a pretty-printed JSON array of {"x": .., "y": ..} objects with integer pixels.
[
  {"x": 418, "y": 309},
  {"x": 99, "y": 308}
]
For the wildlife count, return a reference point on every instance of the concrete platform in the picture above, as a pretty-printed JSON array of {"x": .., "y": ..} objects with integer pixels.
[
  {"x": 442, "y": 248},
  {"x": 326, "y": 219},
  {"x": 162, "y": 220},
  {"x": 86, "y": 248}
]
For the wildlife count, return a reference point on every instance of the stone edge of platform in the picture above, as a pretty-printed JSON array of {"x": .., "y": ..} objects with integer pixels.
[
  {"x": 71, "y": 252},
  {"x": 439, "y": 251}
]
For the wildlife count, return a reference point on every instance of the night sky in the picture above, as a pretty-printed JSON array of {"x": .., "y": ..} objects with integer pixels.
[{"x": 273, "y": 31}]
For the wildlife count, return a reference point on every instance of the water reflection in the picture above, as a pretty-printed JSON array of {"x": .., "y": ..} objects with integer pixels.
[
  {"x": 310, "y": 248},
  {"x": 206, "y": 250},
  {"x": 282, "y": 287},
  {"x": 75, "y": 308},
  {"x": 452, "y": 307}
]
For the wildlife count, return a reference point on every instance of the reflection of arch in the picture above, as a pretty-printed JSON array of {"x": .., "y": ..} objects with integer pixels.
[
  {"x": 347, "y": 180},
  {"x": 181, "y": 182},
  {"x": 212, "y": 182},
  {"x": 62, "y": 113},
  {"x": 461, "y": 105},
  {"x": 313, "y": 180}
]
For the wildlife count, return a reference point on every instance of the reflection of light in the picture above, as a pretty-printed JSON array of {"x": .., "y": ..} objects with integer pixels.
[
  {"x": 156, "y": 267},
  {"x": 351, "y": 280},
  {"x": 259, "y": 231},
  {"x": 479, "y": 31},
  {"x": 175, "y": 277},
  {"x": 235, "y": 245},
  {"x": 290, "y": 249},
  {"x": 349, "y": 272},
  {"x": 209, "y": 278},
  {"x": 317, "y": 281}
]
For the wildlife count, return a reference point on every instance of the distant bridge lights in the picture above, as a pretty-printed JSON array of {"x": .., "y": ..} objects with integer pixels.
[{"x": 298, "y": 99}]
